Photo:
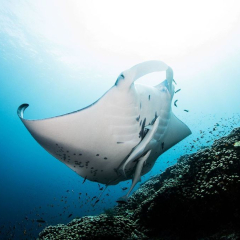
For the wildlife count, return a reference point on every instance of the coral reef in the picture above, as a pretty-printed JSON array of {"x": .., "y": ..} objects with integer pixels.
[
  {"x": 97, "y": 227},
  {"x": 197, "y": 198}
]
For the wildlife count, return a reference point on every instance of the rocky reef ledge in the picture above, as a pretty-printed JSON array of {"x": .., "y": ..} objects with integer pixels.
[{"x": 197, "y": 198}]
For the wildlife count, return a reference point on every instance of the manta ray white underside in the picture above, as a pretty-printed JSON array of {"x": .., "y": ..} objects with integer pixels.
[{"x": 121, "y": 135}]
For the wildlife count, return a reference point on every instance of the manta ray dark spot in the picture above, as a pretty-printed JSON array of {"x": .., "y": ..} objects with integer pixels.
[
  {"x": 105, "y": 158},
  {"x": 162, "y": 145},
  {"x": 119, "y": 142},
  {"x": 97, "y": 155},
  {"x": 149, "y": 97},
  {"x": 140, "y": 123},
  {"x": 138, "y": 118},
  {"x": 164, "y": 89}
]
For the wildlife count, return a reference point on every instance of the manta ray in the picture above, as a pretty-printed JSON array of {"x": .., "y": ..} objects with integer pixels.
[{"x": 118, "y": 137}]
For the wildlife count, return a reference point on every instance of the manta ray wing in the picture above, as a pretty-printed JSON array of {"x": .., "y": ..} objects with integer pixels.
[
  {"x": 87, "y": 140},
  {"x": 176, "y": 132}
]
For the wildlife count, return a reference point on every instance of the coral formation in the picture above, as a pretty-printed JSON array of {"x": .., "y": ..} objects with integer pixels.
[
  {"x": 197, "y": 198},
  {"x": 91, "y": 228}
]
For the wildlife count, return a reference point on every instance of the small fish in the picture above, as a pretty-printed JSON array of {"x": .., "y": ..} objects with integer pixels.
[
  {"x": 69, "y": 215},
  {"x": 186, "y": 110},
  {"x": 175, "y": 103},
  {"x": 101, "y": 188},
  {"x": 178, "y": 90},
  {"x": 124, "y": 188},
  {"x": 84, "y": 180},
  {"x": 40, "y": 221}
]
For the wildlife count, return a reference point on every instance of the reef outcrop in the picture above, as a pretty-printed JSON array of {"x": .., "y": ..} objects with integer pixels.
[{"x": 197, "y": 198}]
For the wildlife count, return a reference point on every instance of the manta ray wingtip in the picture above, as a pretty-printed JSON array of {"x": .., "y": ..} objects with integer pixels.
[{"x": 21, "y": 109}]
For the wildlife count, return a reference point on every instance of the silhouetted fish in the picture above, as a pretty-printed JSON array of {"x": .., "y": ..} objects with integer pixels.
[
  {"x": 175, "y": 103},
  {"x": 178, "y": 90},
  {"x": 40, "y": 221}
]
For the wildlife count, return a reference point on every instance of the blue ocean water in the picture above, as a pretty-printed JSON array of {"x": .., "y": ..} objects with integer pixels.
[{"x": 58, "y": 64}]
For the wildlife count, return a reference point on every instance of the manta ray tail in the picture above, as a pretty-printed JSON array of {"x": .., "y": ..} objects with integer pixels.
[{"x": 98, "y": 199}]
